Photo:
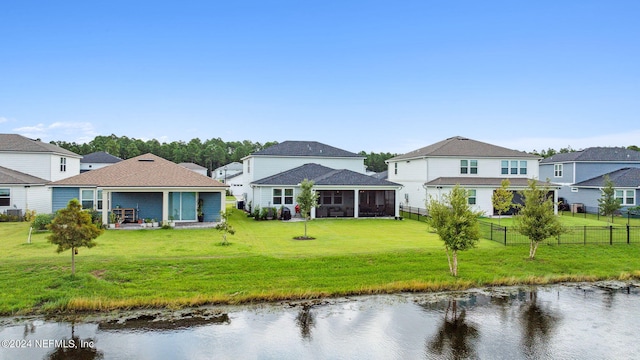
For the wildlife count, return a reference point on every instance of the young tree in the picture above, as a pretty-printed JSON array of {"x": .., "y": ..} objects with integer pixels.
[
  {"x": 608, "y": 203},
  {"x": 502, "y": 198},
  {"x": 307, "y": 200},
  {"x": 225, "y": 227},
  {"x": 536, "y": 219},
  {"x": 72, "y": 228},
  {"x": 455, "y": 223}
]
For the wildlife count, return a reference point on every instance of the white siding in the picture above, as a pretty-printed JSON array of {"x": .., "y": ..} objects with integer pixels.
[
  {"x": 33, "y": 164},
  {"x": 36, "y": 198},
  {"x": 72, "y": 167}
]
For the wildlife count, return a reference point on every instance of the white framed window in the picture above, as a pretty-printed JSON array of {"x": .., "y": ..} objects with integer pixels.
[
  {"x": 471, "y": 197},
  {"x": 248, "y": 166},
  {"x": 557, "y": 170},
  {"x": 395, "y": 168},
  {"x": 87, "y": 198},
  {"x": 63, "y": 164},
  {"x": 468, "y": 166},
  {"x": 626, "y": 197},
  {"x": 5, "y": 197},
  {"x": 513, "y": 167},
  {"x": 99, "y": 200},
  {"x": 283, "y": 196},
  {"x": 331, "y": 197}
]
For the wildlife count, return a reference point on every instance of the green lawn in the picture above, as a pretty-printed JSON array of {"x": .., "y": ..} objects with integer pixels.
[{"x": 174, "y": 268}]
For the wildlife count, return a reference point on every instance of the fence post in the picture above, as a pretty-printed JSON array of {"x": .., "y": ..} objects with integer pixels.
[
  {"x": 628, "y": 237},
  {"x": 505, "y": 235},
  {"x": 585, "y": 234},
  {"x": 491, "y": 231},
  {"x": 610, "y": 234}
]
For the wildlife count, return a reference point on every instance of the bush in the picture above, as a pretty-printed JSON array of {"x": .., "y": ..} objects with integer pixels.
[
  {"x": 9, "y": 218},
  {"x": 41, "y": 221}
]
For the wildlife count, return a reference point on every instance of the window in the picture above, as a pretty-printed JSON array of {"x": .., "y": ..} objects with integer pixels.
[
  {"x": 468, "y": 166},
  {"x": 63, "y": 164},
  {"x": 395, "y": 168},
  {"x": 5, "y": 197},
  {"x": 248, "y": 166},
  {"x": 86, "y": 199},
  {"x": 279, "y": 199},
  {"x": 99, "y": 199},
  {"x": 504, "y": 167},
  {"x": 471, "y": 197},
  {"x": 557, "y": 170},
  {"x": 626, "y": 197},
  {"x": 523, "y": 168}
]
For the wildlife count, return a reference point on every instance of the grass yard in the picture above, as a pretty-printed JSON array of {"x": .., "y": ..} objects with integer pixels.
[{"x": 176, "y": 268}]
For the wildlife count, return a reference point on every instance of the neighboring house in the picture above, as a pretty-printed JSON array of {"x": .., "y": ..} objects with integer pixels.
[
  {"x": 272, "y": 177},
  {"x": 227, "y": 171},
  {"x": 627, "y": 188},
  {"x": 476, "y": 166},
  {"x": 97, "y": 160},
  {"x": 37, "y": 158},
  {"x": 576, "y": 171},
  {"x": 149, "y": 186},
  {"x": 236, "y": 185},
  {"x": 26, "y": 165},
  {"x": 195, "y": 168},
  {"x": 21, "y": 192}
]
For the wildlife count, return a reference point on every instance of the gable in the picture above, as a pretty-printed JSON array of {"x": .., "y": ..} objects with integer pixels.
[
  {"x": 458, "y": 146},
  {"x": 305, "y": 148}
]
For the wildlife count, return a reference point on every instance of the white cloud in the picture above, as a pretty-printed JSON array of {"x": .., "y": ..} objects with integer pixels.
[
  {"x": 3, "y": 119},
  {"x": 80, "y": 132}
]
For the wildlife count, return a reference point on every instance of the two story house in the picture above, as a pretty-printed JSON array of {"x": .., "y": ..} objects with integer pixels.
[
  {"x": 26, "y": 165},
  {"x": 478, "y": 167},
  {"x": 273, "y": 175},
  {"x": 580, "y": 175}
]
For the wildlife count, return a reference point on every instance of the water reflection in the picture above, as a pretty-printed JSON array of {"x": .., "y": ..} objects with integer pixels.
[
  {"x": 538, "y": 323},
  {"x": 304, "y": 320},
  {"x": 75, "y": 348},
  {"x": 455, "y": 337},
  {"x": 572, "y": 322}
]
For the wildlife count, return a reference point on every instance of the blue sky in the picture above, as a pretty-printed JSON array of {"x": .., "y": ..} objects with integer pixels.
[{"x": 382, "y": 76}]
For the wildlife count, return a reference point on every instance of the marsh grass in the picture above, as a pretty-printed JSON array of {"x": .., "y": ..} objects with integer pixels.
[{"x": 178, "y": 268}]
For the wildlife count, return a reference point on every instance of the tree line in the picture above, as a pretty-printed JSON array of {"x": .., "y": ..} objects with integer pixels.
[{"x": 210, "y": 153}]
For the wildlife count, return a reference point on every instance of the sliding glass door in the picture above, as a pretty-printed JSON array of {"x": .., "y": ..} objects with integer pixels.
[{"x": 182, "y": 206}]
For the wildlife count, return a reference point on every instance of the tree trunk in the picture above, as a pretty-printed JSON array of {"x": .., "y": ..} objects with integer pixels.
[
  {"x": 73, "y": 261},
  {"x": 532, "y": 249},
  {"x": 305, "y": 227},
  {"x": 455, "y": 263},
  {"x": 449, "y": 261}
]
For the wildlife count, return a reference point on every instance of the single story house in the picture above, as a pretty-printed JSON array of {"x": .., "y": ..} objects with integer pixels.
[{"x": 144, "y": 187}]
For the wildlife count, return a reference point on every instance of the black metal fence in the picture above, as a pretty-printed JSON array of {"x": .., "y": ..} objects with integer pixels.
[{"x": 577, "y": 235}]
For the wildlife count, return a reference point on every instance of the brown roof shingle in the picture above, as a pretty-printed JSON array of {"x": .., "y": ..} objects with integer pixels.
[
  {"x": 146, "y": 170},
  {"x": 19, "y": 143},
  {"x": 461, "y": 146}
]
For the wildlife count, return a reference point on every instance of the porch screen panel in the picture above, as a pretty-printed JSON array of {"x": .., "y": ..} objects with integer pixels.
[{"x": 188, "y": 206}]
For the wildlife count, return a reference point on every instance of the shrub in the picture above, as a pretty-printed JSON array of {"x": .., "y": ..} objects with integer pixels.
[{"x": 41, "y": 221}]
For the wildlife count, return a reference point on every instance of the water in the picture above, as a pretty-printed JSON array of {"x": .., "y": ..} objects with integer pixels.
[{"x": 558, "y": 322}]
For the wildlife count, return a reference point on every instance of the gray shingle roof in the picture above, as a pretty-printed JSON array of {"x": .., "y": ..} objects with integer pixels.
[
  {"x": 304, "y": 148},
  {"x": 627, "y": 177},
  {"x": 19, "y": 143},
  {"x": 192, "y": 166},
  {"x": 12, "y": 177},
  {"x": 482, "y": 181},
  {"x": 595, "y": 154},
  {"x": 100, "y": 157},
  {"x": 461, "y": 146},
  {"x": 322, "y": 175}
]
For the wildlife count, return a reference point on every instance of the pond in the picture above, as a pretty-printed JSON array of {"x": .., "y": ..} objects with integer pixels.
[{"x": 572, "y": 321}]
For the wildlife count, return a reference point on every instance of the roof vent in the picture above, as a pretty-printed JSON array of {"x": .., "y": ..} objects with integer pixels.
[{"x": 146, "y": 160}]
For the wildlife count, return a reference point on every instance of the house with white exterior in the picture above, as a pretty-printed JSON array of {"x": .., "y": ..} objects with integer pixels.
[
  {"x": 97, "y": 160},
  {"x": 476, "y": 166},
  {"x": 580, "y": 175},
  {"x": 236, "y": 185},
  {"x": 194, "y": 167},
  {"x": 273, "y": 175},
  {"x": 26, "y": 165},
  {"x": 227, "y": 171}
]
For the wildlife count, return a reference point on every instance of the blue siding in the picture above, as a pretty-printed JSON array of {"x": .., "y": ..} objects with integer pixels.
[
  {"x": 149, "y": 205},
  {"x": 547, "y": 172},
  {"x": 61, "y": 197},
  {"x": 211, "y": 206}
]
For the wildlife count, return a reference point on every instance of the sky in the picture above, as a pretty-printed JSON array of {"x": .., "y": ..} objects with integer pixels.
[{"x": 374, "y": 76}]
